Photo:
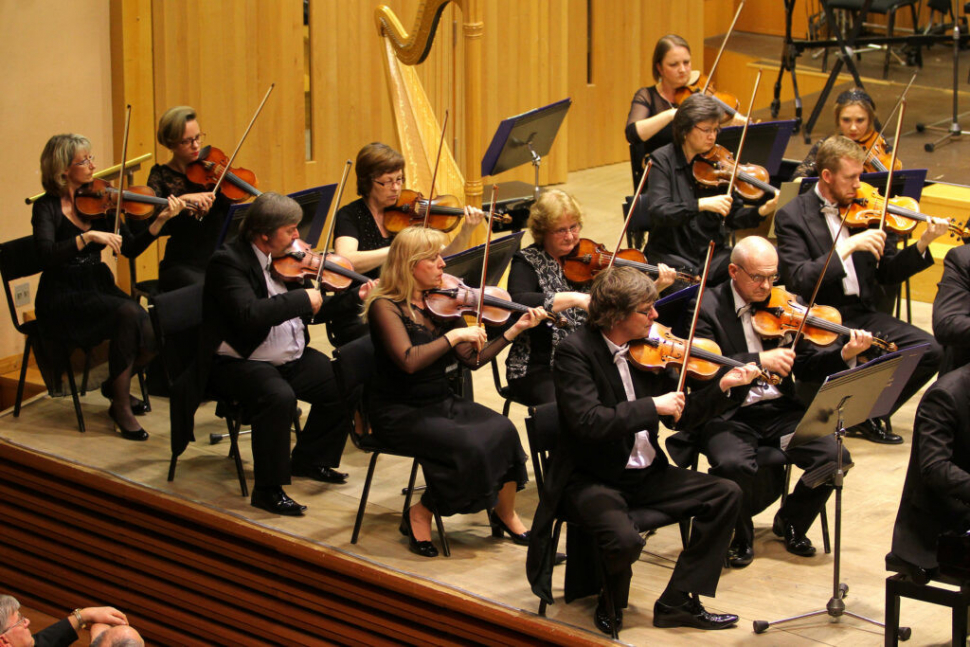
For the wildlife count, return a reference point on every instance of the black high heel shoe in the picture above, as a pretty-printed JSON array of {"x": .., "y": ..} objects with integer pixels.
[
  {"x": 136, "y": 434},
  {"x": 423, "y": 548},
  {"x": 138, "y": 407},
  {"x": 499, "y": 528}
]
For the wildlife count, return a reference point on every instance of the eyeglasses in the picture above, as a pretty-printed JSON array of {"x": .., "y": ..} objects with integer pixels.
[
  {"x": 562, "y": 231},
  {"x": 647, "y": 312},
  {"x": 716, "y": 130},
  {"x": 398, "y": 181},
  {"x": 23, "y": 620},
  {"x": 87, "y": 161},
  {"x": 760, "y": 278},
  {"x": 188, "y": 141}
]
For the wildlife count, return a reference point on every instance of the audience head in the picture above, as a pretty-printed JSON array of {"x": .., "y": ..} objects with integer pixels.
[
  {"x": 698, "y": 111},
  {"x": 118, "y": 636},
  {"x": 65, "y": 156},
  {"x": 671, "y": 61},
  {"x": 839, "y": 162},
  {"x": 754, "y": 268},
  {"x": 855, "y": 113},
  {"x": 618, "y": 298},
  {"x": 14, "y": 626},
  {"x": 555, "y": 222},
  {"x": 410, "y": 247},
  {"x": 379, "y": 163},
  {"x": 271, "y": 221}
]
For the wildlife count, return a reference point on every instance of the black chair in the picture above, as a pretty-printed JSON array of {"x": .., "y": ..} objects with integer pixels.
[
  {"x": 585, "y": 569},
  {"x": 887, "y": 8},
  {"x": 18, "y": 260},
  {"x": 911, "y": 581},
  {"x": 177, "y": 319},
  {"x": 503, "y": 390},
  {"x": 353, "y": 365}
]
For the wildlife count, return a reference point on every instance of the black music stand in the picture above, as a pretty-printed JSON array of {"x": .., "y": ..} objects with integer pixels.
[
  {"x": 846, "y": 399},
  {"x": 525, "y": 138},
  {"x": 764, "y": 145},
  {"x": 467, "y": 265},
  {"x": 315, "y": 203}
]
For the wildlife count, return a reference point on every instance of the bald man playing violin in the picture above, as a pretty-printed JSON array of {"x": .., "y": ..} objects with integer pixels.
[
  {"x": 863, "y": 266},
  {"x": 768, "y": 413}
]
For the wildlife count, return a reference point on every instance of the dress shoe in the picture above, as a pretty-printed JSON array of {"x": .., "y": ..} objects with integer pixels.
[
  {"x": 601, "y": 617},
  {"x": 423, "y": 548},
  {"x": 796, "y": 543},
  {"x": 322, "y": 474},
  {"x": 499, "y": 528},
  {"x": 690, "y": 614},
  {"x": 275, "y": 500},
  {"x": 127, "y": 434},
  {"x": 874, "y": 430},
  {"x": 138, "y": 407},
  {"x": 740, "y": 554}
]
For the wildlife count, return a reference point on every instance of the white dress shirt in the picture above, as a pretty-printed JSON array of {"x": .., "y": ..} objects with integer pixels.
[
  {"x": 759, "y": 391},
  {"x": 643, "y": 452},
  {"x": 850, "y": 284}
]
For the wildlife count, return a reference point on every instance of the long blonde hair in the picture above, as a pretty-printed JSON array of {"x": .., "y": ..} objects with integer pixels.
[{"x": 412, "y": 245}]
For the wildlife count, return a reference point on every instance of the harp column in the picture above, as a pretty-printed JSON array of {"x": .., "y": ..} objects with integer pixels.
[{"x": 473, "y": 29}]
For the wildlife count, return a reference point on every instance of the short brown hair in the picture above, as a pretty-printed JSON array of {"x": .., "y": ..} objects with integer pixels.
[
  {"x": 172, "y": 125},
  {"x": 57, "y": 157},
  {"x": 696, "y": 109},
  {"x": 616, "y": 293},
  {"x": 373, "y": 161},
  {"x": 833, "y": 150},
  {"x": 664, "y": 45},
  {"x": 269, "y": 212},
  {"x": 549, "y": 209}
]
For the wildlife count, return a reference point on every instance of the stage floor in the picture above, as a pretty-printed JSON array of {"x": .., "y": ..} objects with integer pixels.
[{"x": 777, "y": 584}]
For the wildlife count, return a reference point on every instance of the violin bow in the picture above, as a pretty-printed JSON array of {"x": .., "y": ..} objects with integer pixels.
[
  {"x": 892, "y": 163},
  {"x": 488, "y": 244},
  {"x": 333, "y": 218},
  {"x": 899, "y": 102},
  {"x": 710, "y": 74},
  {"x": 215, "y": 189},
  {"x": 744, "y": 135},
  {"x": 697, "y": 311},
  {"x": 629, "y": 213},
  {"x": 121, "y": 175},
  {"x": 434, "y": 175}
]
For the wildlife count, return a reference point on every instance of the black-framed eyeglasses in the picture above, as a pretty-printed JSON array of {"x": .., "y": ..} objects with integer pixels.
[
  {"x": 398, "y": 181},
  {"x": 188, "y": 141},
  {"x": 760, "y": 278}
]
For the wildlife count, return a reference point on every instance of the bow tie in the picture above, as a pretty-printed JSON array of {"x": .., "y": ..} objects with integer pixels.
[
  {"x": 830, "y": 210},
  {"x": 622, "y": 354},
  {"x": 743, "y": 309}
]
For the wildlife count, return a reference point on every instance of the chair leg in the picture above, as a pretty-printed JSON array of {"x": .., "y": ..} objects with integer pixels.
[
  {"x": 171, "y": 468},
  {"x": 892, "y": 612},
  {"x": 144, "y": 390},
  {"x": 74, "y": 396},
  {"x": 445, "y": 548},
  {"x": 87, "y": 372},
  {"x": 234, "y": 450},
  {"x": 410, "y": 490},
  {"x": 23, "y": 378},
  {"x": 363, "y": 497},
  {"x": 506, "y": 407},
  {"x": 826, "y": 543}
]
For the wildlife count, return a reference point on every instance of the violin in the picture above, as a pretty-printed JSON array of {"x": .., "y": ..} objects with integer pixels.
[
  {"x": 902, "y": 213},
  {"x": 411, "y": 206},
  {"x": 454, "y": 299},
  {"x": 661, "y": 347},
  {"x": 240, "y": 184},
  {"x": 879, "y": 157},
  {"x": 300, "y": 262},
  {"x": 782, "y": 313},
  {"x": 588, "y": 258},
  {"x": 715, "y": 168},
  {"x": 97, "y": 198},
  {"x": 728, "y": 102}
]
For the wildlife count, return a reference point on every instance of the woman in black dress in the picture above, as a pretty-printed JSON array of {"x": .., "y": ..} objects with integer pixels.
[
  {"x": 536, "y": 279},
  {"x": 471, "y": 455},
  {"x": 194, "y": 232},
  {"x": 77, "y": 299}
]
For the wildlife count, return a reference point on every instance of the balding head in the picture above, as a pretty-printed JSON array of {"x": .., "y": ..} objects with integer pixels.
[
  {"x": 753, "y": 268},
  {"x": 118, "y": 636},
  {"x": 753, "y": 249}
]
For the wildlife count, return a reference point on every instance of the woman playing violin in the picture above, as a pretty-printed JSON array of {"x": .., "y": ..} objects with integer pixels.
[
  {"x": 471, "y": 455},
  {"x": 537, "y": 279},
  {"x": 684, "y": 216},
  {"x": 192, "y": 239},
  {"x": 649, "y": 124},
  {"x": 77, "y": 299}
]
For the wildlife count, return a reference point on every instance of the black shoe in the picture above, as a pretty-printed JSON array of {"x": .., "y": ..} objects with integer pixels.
[
  {"x": 423, "y": 548},
  {"x": 499, "y": 528},
  {"x": 560, "y": 559},
  {"x": 322, "y": 474},
  {"x": 138, "y": 407},
  {"x": 127, "y": 434},
  {"x": 601, "y": 617},
  {"x": 875, "y": 430},
  {"x": 740, "y": 554},
  {"x": 690, "y": 614},
  {"x": 274, "y": 499},
  {"x": 796, "y": 543}
]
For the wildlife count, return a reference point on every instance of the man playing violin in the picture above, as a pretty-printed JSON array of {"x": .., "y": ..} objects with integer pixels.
[
  {"x": 768, "y": 413},
  {"x": 863, "y": 262},
  {"x": 609, "y": 460}
]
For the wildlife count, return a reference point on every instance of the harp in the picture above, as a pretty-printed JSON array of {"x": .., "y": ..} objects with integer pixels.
[{"x": 417, "y": 126}]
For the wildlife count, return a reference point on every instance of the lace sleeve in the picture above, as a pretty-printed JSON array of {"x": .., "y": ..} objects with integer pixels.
[{"x": 388, "y": 329}]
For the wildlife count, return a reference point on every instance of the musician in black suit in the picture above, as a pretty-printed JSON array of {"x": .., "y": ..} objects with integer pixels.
[
  {"x": 936, "y": 494},
  {"x": 862, "y": 262},
  {"x": 768, "y": 413},
  {"x": 609, "y": 460},
  {"x": 951, "y": 309}
]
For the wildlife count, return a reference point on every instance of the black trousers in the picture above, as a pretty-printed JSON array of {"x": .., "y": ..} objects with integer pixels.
[
  {"x": 270, "y": 393},
  {"x": 731, "y": 446},
  {"x": 603, "y": 510}
]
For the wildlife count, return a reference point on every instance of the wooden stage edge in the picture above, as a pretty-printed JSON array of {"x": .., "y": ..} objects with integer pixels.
[{"x": 189, "y": 574}]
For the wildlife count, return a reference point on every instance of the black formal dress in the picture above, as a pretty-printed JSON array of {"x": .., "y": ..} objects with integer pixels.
[
  {"x": 589, "y": 480},
  {"x": 59, "y": 634},
  {"x": 936, "y": 493},
  {"x": 646, "y": 103},
  {"x": 192, "y": 241},
  {"x": 468, "y": 452},
  {"x": 239, "y": 310},
  {"x": 951, "y": 309},
  {"x": 804, "y": 241},
  {"x": 679, "y": 231},
  {"x": 731, "y": 439},
  {"x": 77, "y": 300},
  {"x": 534, "y": 280}
]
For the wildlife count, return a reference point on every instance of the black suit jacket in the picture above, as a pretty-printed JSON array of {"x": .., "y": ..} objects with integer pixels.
[
  {"x": 599, "y": 426},
  {"x": 936, "y": 494},
  {"x": 951, "y": 309},
  {"x": 804, "y": 242},
  {"x": 59, "y": 634}
]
